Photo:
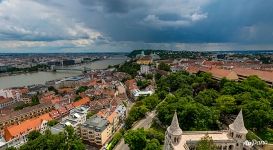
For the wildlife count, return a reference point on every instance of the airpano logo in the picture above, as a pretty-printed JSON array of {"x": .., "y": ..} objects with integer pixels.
[{"x": 255, "y": 142}]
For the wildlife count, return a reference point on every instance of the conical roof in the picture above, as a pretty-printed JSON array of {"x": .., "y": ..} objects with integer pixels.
[
  {"x": 238, "y": 124},
  {"x": 174, "y": 128}
]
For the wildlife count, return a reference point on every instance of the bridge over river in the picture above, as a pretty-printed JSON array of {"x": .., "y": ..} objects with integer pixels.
[{"x": 84, "y": 69}]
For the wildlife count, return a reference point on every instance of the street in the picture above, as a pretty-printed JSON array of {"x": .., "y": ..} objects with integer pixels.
[{"x": 143, "y": 123}]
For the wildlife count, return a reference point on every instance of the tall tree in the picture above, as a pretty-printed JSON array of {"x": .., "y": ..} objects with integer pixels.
[
  {"x": 153, "y": 145},
  {"x": 136, "y": 139},
  {"x": 206, "y": 143}
]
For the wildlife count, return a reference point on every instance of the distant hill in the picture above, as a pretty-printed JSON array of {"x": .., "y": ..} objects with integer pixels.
[{"x": 166, "y": 54}]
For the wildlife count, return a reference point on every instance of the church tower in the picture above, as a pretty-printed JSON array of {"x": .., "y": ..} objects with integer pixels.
[
  {"x": 173, "y": 134},
  {"x": 238, "y": 131}
]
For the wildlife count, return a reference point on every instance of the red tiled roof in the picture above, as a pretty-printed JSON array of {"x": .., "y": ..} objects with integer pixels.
[
  {"x": 80, "y": 102},
  {"x": 69, "y": 106},
  {"x": 264, "y": 75},
  {"x": 54, "y": 114},
  {"x": 192, "y": 69},
  {"x": 25, "y": 126},
  {"x": 62, "y": 110}
]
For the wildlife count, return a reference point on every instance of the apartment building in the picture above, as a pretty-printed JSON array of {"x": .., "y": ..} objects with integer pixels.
[
  {"x": 96, "y": 130},
  {"x": 24, "y": 114},
  {"x": 76, "y": 118},
  {"x": 16, "y": 135}
]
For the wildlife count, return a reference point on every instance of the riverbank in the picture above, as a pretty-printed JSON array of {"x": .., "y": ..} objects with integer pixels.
[
  {"x": 41, "y": 77},
  {"x": 45, "y": 69}
]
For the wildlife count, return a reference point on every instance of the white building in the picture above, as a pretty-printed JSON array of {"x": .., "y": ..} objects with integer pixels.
[
  {"x": 76, "y": 118},
  {"x": 6, "y": 93},
  {"x": 144, "y": 69},
  {"x": 231, "y": 139},
  {"x": 136, "y": 93}
]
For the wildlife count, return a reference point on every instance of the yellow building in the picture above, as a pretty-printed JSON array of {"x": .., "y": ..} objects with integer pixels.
[
  {"x": 145, "y": 60},
  {"x": 96, "y": 130}
]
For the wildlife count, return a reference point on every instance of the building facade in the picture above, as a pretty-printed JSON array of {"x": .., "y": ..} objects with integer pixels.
[
  {"x": 96, "y": 130},
  {"x": 231, "y": 139}
]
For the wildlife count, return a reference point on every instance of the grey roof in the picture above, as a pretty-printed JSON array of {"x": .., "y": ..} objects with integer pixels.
[
  {"x": 238, "y": 124},
  {"x": 96, "y": 123},
  {"x": 174, "y": 128}
]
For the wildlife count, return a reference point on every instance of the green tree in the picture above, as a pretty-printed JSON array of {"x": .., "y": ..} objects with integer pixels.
[
  {"x": 65, "y": 140},
  {"x": 51, "y": 88},
  {"x": 192, "y": 115},
  {"x": 11, "y": 148},
  {"x": 185, "y": 91},
  {"x": 52, "y": 123},
  {"x": 142, "y": 84},
  {"x": 151, "y": 101},
  {"x": 136, "y": 139},
  {"x": 255, "y": 82},
  {"x": 129, "y": 67},
  {"x": 117, "y": 137},
  {"x": 226, "y": 104},
  {"x": 77, "y": 98},
  {"x": 153, "y": 145},
  {"x": 81, "y": 89},
  {"x": 90, "y": 114},
  {"x": 164, "y": 66},
  {"x": 33, "y": 135},
  {"x": 207, "y": 97},
  {"x": 206, "y": 143},
  {"x": 154, "y": 134},
  {"x": 258, "y": 114}
]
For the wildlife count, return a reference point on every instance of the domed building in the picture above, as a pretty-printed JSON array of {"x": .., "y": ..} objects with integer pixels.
[{"x": 231, "y": 139}]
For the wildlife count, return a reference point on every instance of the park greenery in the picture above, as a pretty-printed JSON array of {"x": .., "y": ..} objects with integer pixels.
[
  {"x": 142, "y": 84},
  {"x": 140, "y": 108},
  {"x": 164, "y": 66},
  {"x": 129, "y": 67},
  {"x": 168, "y": 54},
  {"x": 204, "y": 104},
  {"x": 144, "y": 139},
  {"x": 116, "y": 138},
  {"x": 67, "y": 140}
]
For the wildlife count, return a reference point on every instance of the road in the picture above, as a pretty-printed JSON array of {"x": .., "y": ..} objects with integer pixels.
[{"x": 143, "y": 123}]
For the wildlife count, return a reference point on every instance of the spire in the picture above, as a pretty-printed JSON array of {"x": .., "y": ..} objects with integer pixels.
[
  {"x": 174, "y": 128},
  {"x": 238, "y": 124}
]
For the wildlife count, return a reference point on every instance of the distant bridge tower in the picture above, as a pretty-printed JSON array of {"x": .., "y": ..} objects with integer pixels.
[{"x": 53, "y": 68}]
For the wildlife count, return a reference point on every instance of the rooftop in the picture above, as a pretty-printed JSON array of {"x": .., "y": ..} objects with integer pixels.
[{"x": 96, "y": 123}]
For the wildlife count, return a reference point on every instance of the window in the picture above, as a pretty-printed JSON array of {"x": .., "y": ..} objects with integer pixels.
[{"x": 238, "y": 136}]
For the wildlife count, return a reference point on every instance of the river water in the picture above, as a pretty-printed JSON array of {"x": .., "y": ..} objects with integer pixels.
[{"x": 42, "y": 77}]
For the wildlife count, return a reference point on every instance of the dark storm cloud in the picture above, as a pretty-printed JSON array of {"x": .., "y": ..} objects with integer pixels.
[
  {"x": 225, "y": 21},
  {"x": 110, "y": 6},
  {"x": 130, "y": 24}
]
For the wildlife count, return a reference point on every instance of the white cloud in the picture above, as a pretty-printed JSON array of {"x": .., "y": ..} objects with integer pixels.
[
  {"x": 31, "y": 20},
  {"x": 187, "y": 12},
  {"x": 198, "y": 16}
]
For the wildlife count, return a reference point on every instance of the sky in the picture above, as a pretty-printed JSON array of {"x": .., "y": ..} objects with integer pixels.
[{"x": 124, "y": 25}]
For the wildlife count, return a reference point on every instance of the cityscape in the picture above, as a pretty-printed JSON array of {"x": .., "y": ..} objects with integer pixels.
[{"x": 136, "y": 75}]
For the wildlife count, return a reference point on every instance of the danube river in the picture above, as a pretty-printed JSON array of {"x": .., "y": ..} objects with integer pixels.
[{"x": 42, "y": 77}]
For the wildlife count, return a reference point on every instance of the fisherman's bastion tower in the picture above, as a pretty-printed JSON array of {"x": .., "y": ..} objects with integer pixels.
[{"x": 231, "y": 139}]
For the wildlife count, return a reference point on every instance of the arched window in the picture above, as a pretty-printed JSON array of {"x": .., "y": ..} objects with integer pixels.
[
  {"x": 231, "y": 134},
  {"x": 238, "y": 136}
]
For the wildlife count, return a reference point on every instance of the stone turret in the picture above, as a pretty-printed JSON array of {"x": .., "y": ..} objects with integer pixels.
[
  {"x": 173, "y": 134},
  {"x": 238, "y": 131}
]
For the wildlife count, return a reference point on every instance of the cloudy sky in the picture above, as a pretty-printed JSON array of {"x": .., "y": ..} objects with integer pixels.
[{"x": 124, "y": 25}]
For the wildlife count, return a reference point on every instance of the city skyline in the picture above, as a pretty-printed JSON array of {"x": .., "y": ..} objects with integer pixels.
[{"x": 124, "y": 25}]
